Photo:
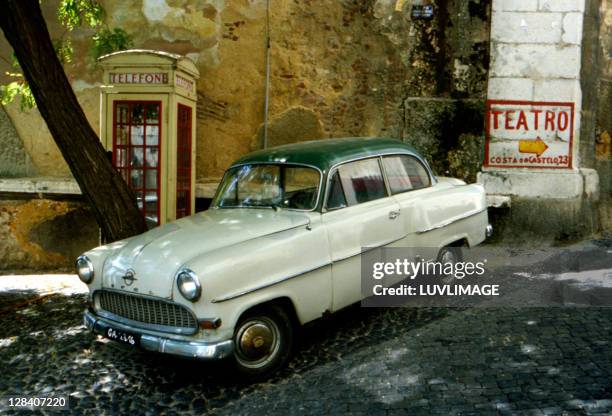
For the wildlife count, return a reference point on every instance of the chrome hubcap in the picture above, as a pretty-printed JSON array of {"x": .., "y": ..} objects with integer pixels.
[
  {"x": 257, "y": 342},
  {"x": 448, "y": 257}
]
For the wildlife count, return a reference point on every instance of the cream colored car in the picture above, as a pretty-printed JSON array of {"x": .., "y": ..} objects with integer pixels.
[{"x": 279, "y": 247}]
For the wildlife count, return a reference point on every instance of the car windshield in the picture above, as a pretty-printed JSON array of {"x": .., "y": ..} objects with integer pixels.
[{"x": 269, "y": 186}]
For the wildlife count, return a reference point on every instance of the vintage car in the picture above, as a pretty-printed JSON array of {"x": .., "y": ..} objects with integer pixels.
[{"x": 280, "y": 246}]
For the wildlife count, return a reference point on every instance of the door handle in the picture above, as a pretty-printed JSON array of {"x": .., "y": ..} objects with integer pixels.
[{"x": 393, "y": 214}]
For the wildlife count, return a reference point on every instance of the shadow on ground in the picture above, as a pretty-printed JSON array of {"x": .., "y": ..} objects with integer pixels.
[{"x": 45, "y": 349}]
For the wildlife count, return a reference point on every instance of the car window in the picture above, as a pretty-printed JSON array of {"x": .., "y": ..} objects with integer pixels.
[
  {"x": 405, "y": 173},
  {"x": 300, "y": 188},
  {"x": 362, "y": 181},
  {"x": 259, "y": 184},
  {"x": 268, "y": 185},
  {"x": 335, "y": 196}
]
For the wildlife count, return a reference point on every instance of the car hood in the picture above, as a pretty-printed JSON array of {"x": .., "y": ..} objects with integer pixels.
[{"x": 155, "y": 256}]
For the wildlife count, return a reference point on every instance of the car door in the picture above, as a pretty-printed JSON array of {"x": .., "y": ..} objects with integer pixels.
[
  {"x": 358, "y": 214},
  {"x": 410, "y": 184}
]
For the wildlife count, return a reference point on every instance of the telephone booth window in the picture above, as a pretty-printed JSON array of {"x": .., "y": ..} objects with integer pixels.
[
  {"x": 183, "y": 162},
  {"x": 136, "y": 145}
]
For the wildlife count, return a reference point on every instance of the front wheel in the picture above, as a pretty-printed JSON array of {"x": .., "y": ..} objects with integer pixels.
[{"x": 263, "y": 341}]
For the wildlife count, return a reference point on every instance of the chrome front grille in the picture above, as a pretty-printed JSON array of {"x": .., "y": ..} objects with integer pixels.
[{"x": 158, "y": 314}]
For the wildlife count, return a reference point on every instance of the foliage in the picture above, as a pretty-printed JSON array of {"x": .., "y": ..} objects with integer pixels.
[
  {"x": 107, "y": 41},
  {"x": 63, "y": 49},
  {"x": 18, "y": 88},
  {"x": 71, "y": 14},
  {"x": 74, "y": 13}
]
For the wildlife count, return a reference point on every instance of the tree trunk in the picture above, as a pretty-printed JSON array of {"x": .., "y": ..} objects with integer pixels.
[{"x": 112, "y": 201}]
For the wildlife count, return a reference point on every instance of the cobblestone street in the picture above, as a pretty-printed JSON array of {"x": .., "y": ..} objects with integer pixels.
[{"x": 360, "y": 361}]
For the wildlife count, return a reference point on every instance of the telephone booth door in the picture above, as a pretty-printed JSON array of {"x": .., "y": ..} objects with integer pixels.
[
  {"x": 136, "y": 150},
  {"x": 183, "y": 161}
]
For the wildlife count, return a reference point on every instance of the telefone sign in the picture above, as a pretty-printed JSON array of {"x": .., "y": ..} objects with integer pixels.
[{"x": 529, "y": 134}]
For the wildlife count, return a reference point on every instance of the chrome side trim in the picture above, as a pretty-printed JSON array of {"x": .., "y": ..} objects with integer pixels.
[
  {"x": 192, "y": 349},
  {"x": 266, "y": 285},
  {"x": 451, "y": 221},
  {"x": 366, "y": 249},
  {"x": 275, "y": 282}
]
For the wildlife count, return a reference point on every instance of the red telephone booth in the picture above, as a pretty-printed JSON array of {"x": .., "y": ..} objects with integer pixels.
[{"x": 147, "y": 122}]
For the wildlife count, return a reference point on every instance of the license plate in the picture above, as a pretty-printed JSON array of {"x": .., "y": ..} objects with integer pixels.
[{"x": 123, "y": 337}]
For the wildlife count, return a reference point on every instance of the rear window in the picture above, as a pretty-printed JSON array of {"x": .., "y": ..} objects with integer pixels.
[
  {"x": 362, "y": 181},
  {"x": 405, "y": 173}
]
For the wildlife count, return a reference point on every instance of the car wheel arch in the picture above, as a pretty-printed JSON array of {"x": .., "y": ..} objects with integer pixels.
[
  {"x": 456, "y": 241},
  {"x": 462, "y": 242},
  {"x": 283, "y": 302}
]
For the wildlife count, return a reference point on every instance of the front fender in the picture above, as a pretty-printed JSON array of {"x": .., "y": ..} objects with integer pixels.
[{"x": 294, "y": 263}]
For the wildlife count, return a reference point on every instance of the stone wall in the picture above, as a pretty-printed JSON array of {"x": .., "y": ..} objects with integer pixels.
[
  {"x": 14, "y": 160},
  {"x": 44, "y": 234},
  {"x": 337, "y": 68}
]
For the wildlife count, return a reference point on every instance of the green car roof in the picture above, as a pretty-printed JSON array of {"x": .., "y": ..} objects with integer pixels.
[{"x": 325, "y": 153}]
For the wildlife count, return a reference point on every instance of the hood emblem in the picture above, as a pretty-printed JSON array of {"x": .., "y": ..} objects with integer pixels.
[{"x": 129, "y": 277}]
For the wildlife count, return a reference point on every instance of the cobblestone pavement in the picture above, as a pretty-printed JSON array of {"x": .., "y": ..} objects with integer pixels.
[{"x": 360, "y": 361}]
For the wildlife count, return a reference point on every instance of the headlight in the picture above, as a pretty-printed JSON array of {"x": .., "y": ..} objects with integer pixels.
[
  {"x": 189, "y": 285},
  {"x": 84, "y": 269}
]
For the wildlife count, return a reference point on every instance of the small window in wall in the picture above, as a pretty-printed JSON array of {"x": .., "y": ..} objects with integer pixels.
[
  {"x": 362, "y": 181},
  {"x": 136, "y": 141},
  {"x": 405, "y": 173},
  {"x": 183, "y": 162}
]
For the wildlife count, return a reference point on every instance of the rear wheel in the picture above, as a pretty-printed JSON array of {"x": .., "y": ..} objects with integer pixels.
[
  {"x": 263, "y": 341},
  {"x": 449, "y": 255}
]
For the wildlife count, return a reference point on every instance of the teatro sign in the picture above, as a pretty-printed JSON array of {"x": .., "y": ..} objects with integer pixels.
[{"x": 529, "y": 134}]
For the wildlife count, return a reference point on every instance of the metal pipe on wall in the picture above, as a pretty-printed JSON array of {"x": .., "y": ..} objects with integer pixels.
[{"x": 267, "y": 86}]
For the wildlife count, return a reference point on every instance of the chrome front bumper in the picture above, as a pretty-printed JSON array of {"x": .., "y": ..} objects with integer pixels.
[{"x": 192, "y": 349}]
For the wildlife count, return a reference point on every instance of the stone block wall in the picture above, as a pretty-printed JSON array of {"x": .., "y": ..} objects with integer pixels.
[
  {"x": 44, "y": 234},
  {"x": 536, "y": 52}
]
